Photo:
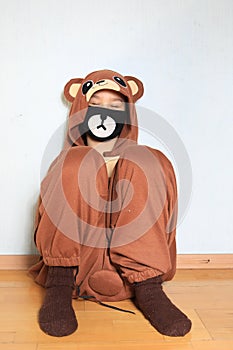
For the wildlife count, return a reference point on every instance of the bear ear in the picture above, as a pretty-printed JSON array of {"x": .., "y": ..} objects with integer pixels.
[
  {"x": 71, "y": 88},
  {"x": 136, "y": 87}
]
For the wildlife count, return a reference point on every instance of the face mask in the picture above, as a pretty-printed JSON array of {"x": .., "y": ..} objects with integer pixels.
[{"x": 103, "y": 124}]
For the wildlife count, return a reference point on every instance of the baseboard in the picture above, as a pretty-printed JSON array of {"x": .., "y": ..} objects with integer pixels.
[
  {"x": 17, "y": 262},
  {"x": 205, "y": 261},
  {"x": 184, "y": 261}
]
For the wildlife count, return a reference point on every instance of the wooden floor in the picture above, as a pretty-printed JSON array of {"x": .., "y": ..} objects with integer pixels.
[{"x": 205, "y": 295}]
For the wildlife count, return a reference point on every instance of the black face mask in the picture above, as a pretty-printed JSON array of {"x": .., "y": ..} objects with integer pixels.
[{"x": 103, "y": 124}]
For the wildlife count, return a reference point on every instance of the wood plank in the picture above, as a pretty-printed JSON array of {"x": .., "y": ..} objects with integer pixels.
[
  {"x": 213, "y": 345},
  {"x": 203, "y": 275},
  {"x": 7, "y": 337},
  {"x": 115, "y": 346},
  {"x": 14, "y": 346},
  {"x": 218, "y": 322},
  {"x": 204, "y": 295},
  {"x": 184, "y": 261}
]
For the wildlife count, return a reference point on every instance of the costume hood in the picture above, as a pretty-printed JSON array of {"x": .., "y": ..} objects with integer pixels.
[{"x": 78, "y": 91}]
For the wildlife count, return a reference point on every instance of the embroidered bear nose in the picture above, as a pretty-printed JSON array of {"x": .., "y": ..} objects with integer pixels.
[{"x": 100, "y": 81}]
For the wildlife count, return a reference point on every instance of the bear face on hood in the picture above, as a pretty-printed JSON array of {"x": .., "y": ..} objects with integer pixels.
[{"x": 79, "y": 91}]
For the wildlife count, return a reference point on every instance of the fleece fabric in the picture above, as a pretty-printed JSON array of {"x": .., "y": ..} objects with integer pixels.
[{"x": 119, "y": 229}]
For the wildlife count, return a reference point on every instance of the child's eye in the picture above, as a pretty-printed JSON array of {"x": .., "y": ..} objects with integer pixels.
[{"x": 116, "y": 105}]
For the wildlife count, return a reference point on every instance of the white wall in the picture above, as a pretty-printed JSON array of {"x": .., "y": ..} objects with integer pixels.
[{"x": 183, "y": 52}]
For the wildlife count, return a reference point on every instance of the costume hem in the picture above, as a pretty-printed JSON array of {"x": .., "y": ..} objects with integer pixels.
[
  {"x": 143, "y": 275},
  {"x": 59, "y": 261}
]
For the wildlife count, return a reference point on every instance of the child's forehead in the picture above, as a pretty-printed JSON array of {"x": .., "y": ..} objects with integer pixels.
[{"x": 111, "y": 94}]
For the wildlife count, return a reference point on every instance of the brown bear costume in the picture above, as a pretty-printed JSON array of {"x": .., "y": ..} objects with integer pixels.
[{"x": 106, "y": 219}]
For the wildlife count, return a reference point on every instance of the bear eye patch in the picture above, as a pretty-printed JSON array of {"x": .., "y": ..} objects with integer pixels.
[
  {"x": 86, "y": 86},
  {"x": 120, "y": 81}
]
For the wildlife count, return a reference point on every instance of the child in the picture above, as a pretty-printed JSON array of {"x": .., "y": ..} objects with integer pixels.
[{"x": 106, "y": 219}]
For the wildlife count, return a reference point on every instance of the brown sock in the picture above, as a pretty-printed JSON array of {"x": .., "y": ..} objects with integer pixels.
[
  {"x": 56, "y": 316},
  {"x": 164, "y": 316}
]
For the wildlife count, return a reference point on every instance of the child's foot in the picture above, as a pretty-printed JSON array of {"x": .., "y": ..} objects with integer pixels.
[
  {"x": 164, "y": 316},
  {"x": 56, "y": 316}
]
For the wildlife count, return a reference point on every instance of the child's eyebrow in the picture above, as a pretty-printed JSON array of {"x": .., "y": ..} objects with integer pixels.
[{"x": 118, "y": 99}]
